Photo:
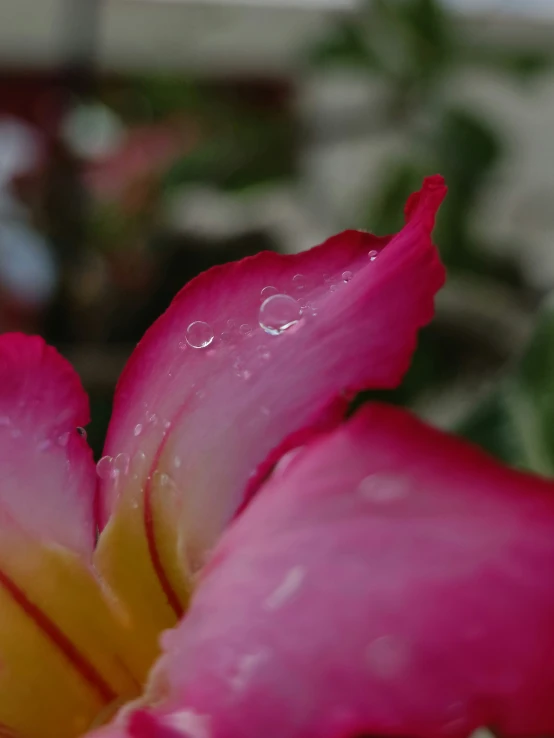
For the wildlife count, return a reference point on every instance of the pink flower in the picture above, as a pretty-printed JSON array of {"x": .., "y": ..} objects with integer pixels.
[{"x": 382, "y": 578}]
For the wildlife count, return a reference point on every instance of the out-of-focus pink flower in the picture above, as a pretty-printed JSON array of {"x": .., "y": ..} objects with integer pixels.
[{"x": 145, "y": 154}]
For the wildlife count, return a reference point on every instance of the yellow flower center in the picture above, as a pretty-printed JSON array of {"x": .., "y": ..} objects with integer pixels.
[{"x": 78, "y": 640}]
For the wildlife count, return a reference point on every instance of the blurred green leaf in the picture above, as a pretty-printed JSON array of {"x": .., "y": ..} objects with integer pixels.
[
  {"x": 245, "y": 152},
  {"x": 516, "y": 423},
  {"x": 398, "y": 179},
  {"x": 523, "y": 64},
  {"x": 346, "y": 45}
]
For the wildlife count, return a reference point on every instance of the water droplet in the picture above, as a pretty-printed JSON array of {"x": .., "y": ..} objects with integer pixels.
[
  {"x": 285, "y": 460},
  {"x": 333, "y": 288},
  {"x": 383, "y": 489},
  {"x": 267, "y": 292},
  {"x": 164, "y": 482},
  {"x": 347, "y": 276},
  {"x": 373, "y": 255},
  {"x": 231, "y": 323},
  {"x": 290, "y": 584},
  {"x": 387, "y": 657},
  {"x": 63, "y": 439},
  {"x": 199, "y": 334},
  {"x": 246, "y": 329},
  {"x": 182, "y": 345},
  {"x": 104, "y": 467},
  {"x": 226, "y": 336},
  {"x": 82, "y": 432},
  {"x": 279, "y": 313},
  {"x": 44, "y": 445},
  {"x": 327, "y": 277},
  {"x": 121, "y": 464},
  {"x": 263, "y": 353},
  {"x": 138, "y": 429},
  {"x": 139, "y": 464},
  {"x": 299, "y": 282},
  {"x": 246, "y": 668}
]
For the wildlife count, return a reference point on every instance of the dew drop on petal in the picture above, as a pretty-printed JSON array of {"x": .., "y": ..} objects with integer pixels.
[
  {"x": 164, "y": 483},
  {"x": 287, "y": 588},
  {"x": 384, "y": 488},
  {"x": 63, "y": 439},
  {"x": 373, "y": 255},
  {"x": 387, "y": 657},
  {"x": 199, "y": 334},
  {"x": 121, "y": 464},
  {"x": 264, "y": 353},
  {"x": 299, "y": 282},
  {"x": 279, "y": 313},
  {"x": 333, "y": 288},
  {"x": 138, "y": 429},
  {"x": 226, "y": 336},
  {"x": 104, "y": 467},
  {"x": 138, "y": 464},
  {"x": 347, "y": 276},
  {"x": 267, "y": 292},
  {"x": 285, "y": 460},
  {"x": 246, "y": 329},
  {"x": 246, "y": 668}
]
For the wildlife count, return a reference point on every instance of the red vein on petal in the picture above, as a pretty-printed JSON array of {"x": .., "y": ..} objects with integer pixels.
[
  {"x": 59, "y": 639},
  {"x": 171, "y": 595}
]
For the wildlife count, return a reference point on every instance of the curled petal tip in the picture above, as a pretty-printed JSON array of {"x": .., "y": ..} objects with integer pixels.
[{"x": 253, "y": 355}]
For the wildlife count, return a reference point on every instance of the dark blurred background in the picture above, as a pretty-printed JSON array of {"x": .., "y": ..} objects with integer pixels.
[{"x": 142, "y": 141}]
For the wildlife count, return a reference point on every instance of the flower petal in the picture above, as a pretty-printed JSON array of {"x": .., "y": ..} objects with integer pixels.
[
  {"x": 65, "y": 656},
  {"x": 48, "y": 475},
  {"x": 392, "y": 580},
  {"x": 212, "y": 421},
  {"x": 64, "y": 648}
]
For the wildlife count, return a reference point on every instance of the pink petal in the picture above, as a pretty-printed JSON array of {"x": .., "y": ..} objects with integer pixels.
[
  {"x": 48, "y": 475},
  {"x": 392, "y": 580},
  {"x": 216, "y": 418}
]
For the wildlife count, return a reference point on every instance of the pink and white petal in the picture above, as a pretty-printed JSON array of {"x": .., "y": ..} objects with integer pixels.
[
  {"x": 215, "y": 419},
  {"x": 48, "y": 475},
  {"x": 392, "y": 580}
]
